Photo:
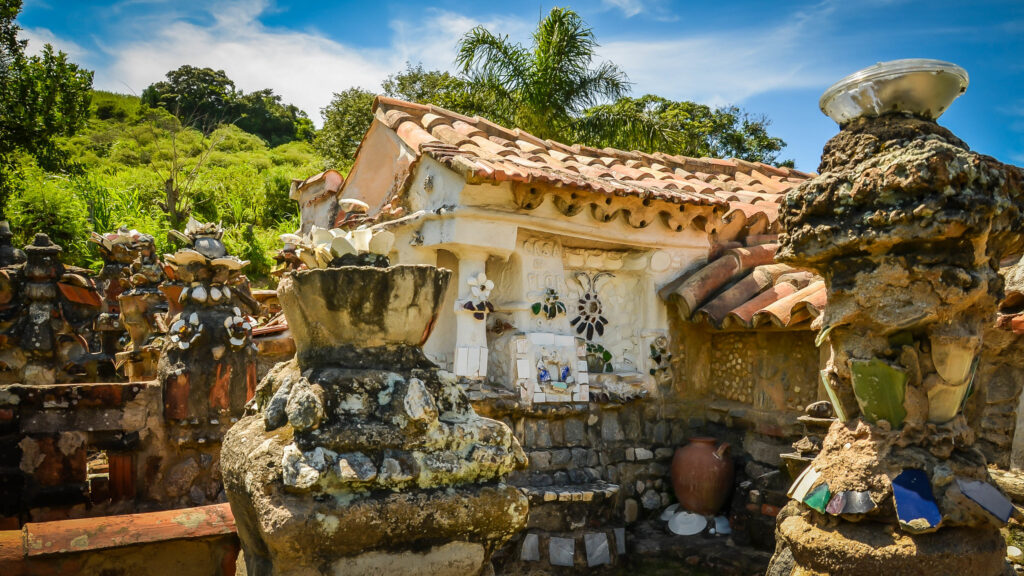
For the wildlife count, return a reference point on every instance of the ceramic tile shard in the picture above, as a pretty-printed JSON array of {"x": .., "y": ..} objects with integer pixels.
[
  {"x": 803, "y": 484},
  {"x": 561, "y": 551},
  {"x": 915, "y": 504},
  {"x": 986, "y": 496},
  {"x": 880, "y": 390},
  {"x": 850, "y": 502}
]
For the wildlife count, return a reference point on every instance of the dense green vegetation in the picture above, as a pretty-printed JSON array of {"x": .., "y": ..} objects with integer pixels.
[
  {"x": 74, "y": 160},
  {"x": 136, "y": 166}
]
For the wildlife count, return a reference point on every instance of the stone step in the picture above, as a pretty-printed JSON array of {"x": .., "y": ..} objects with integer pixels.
[{"x": 593, "y": 492}]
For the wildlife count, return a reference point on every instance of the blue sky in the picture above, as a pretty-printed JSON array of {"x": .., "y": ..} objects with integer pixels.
[{"x": 773, "y": 58}]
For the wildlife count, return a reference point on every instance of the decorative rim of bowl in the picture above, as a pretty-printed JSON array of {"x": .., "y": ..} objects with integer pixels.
[{"x": 890, "y": 70}]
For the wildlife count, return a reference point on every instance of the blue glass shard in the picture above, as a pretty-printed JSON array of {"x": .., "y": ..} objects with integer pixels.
[
  {"x": 915, "y": 504},
  {"x": 986, "y": 496}
]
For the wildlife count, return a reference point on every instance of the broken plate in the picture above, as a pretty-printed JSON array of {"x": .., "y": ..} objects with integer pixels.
[
  {"x": 669, "y": 512},
  {"x": 915, "y": 504},
  {"x": 850, "y": 502},
  {"x": 687, "y": 524},
  {"x": 880, "y": 390},
  {"x": 987, "y": 496},
  {"x": 803, "y": 484}
]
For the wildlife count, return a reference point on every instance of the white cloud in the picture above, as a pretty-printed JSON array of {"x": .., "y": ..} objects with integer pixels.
[
  {"x": 38, "y": 37},
  {"x": 305, "y": 68},
  {"x": 727, "y": 66},
  {"x": 629, "y": 8}
]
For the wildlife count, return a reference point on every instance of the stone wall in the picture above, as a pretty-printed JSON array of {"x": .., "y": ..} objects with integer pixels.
[
  {"x": 594, "y": 469},
  {"x": 78, "y": 450},
  {"x": 993, "y": 407}
]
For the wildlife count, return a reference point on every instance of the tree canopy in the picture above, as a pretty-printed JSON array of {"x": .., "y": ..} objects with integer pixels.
[
  {"x": 553, "y": 89},
  {"x": 204, "y": 98},
  {"x": 542, "y": 89},
  {"x": 44, "y": 96}
]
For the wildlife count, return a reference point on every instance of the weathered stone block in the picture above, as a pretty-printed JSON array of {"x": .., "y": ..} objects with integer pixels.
[
  {"x": 540, "y": 460},
  {"x": 630, "y": 510},
  {"x": 561, "y": 458},
  {"x": 575, "y": 432},
  {"x": 610, "y": 429}
]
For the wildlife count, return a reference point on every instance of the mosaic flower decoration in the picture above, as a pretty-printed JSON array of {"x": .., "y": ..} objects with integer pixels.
[
  {"x": 239, "y": 330},
  {"x": 185, "y": 334},
  {"x": 589, "y": 318},
  {"x": 551, "y": 307},
  {"x": 481, "y": 288}
]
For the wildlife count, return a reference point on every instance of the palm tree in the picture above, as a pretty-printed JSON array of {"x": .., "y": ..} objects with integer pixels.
[{"x": 545, "y": 88}]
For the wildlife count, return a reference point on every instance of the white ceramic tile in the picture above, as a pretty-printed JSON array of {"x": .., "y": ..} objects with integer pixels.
[
  {"x": 461, "y": 362},
  {"x": 524, "y": 369},
  {"x": 564, "y": 340},
  {"x": 583, "y": 378},
  {"x": 581, "y": 365}
]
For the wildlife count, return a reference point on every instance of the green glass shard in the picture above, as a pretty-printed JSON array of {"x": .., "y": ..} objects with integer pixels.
[
  {"x": 818, "y": 497},
  {"x": 880, "y": 389}
]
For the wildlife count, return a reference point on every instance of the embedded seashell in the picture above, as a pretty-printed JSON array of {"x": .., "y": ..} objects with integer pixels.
[
  {"x": 199, "y": 294},
  {"x": 193, "y": 319},
  {"x": 218, "y": 352},
  {"x": 361, "y": 239},
  {"x": 186, "y": 256},
  {"x": 321, "y": 236},
  {"x": 230, "y": 262},
  {"x": 307, "y": 257},
  {"x": 237, "y": 341},
  {"x": 341, "y": 246},
  {"x": 227, "y": 293},
  {"x": 382, "y": 242},
  {"x": 353, "y": 205},
  {"x": 229, "y": 321},
  {"x": 215, "y": 294},
  {"x": 323, "y": 255},
  {"x": 290, "y": 239}
]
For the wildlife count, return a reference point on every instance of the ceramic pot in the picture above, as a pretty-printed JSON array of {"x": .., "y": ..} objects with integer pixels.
[{"x": 702, "y": 475}]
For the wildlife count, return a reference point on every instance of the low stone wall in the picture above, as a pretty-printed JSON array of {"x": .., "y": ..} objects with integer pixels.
[{"x": 79, "y": 450}]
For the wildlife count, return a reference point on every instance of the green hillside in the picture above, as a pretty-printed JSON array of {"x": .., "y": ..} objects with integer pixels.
[{"x": 117, "y": 171}]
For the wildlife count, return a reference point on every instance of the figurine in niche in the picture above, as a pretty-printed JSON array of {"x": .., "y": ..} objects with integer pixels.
[
  {"x": 590, "y": 318},
  {"x": 553, "y": 370},
  {"x": 660, "y": 359}
]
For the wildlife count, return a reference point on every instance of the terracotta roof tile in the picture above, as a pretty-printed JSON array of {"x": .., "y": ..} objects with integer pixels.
[
  {"x": 663, "y": 178},
  {"x": 743, "y": 288}
]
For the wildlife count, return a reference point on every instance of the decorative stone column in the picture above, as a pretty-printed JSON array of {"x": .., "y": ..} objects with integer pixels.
[
  {"x": 363, "y": 457},
  {"x": 471, "y": 309},
  {"x": 907, "y": 226}
]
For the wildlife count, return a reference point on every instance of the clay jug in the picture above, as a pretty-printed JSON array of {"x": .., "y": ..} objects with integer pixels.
[{"x": 702, "y": 475}]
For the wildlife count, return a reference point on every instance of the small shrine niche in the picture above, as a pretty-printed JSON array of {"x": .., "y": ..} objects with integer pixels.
[{"x": 551, "y": 367}]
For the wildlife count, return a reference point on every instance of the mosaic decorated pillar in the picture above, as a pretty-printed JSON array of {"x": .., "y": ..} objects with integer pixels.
[
  {"x": 362, "y": 457},
  {"x": 907, "y": 226},
  {"x": 472, "y": 307}
]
